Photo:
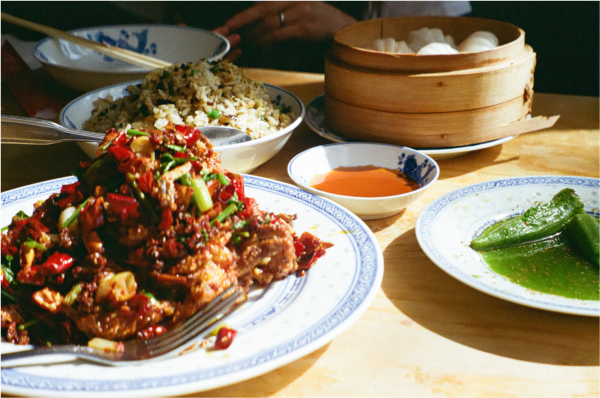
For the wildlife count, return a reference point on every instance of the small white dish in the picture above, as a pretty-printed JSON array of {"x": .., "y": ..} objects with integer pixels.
[
  {"x": 238, "y": 158},
  {"x": 83, "y": 69},
  {"x": 315, "y": 119},
  {"x": 447, "y": 226},
  {"x": 322, "y": 159}
]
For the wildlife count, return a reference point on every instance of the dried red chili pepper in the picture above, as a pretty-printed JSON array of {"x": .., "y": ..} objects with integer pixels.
[
  {"x": 3, "y": 282},
  {"x": 57, "y": 263},
  {"x": 146, "y": 181},
  {"x": 166, "y": 219},
  {"x": 225, "y": 337},
  {"x": 226, "y": 193},
  {"x": 124, "y": 206},
  {"x": 190, "y": 134},
  {"x": 119, "y": 153},
  {"x": 238, "y": 182},
  {"x": 298, "y": 246},
  {"x": 70, "y": 188}
]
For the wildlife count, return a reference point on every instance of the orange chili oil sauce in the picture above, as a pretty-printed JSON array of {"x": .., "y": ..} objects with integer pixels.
[{"x": 364, "y": 181}]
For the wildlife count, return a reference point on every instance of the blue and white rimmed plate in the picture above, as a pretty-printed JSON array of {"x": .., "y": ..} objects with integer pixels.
[
  {"x": 315, "y": 119},
  {"x": 295, "y": 317},
  {"x": 447, "y": 226},
  {"x": 238, "y": 158}
]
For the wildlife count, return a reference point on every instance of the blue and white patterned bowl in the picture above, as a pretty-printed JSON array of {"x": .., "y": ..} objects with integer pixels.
[
  {"x": 84, "y": 70},
  {"x": 322, "y": 159}
]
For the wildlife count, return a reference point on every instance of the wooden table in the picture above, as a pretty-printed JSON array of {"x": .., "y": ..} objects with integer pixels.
[{"x": 425, "y": 334}]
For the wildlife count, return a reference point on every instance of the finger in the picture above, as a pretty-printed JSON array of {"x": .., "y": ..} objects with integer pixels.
[
  {"x": 234, "y": 40},
  {"x": 256, "y": 13},
  {"x": 222, "y": 30},
  {"x": 267, "y": 25}
]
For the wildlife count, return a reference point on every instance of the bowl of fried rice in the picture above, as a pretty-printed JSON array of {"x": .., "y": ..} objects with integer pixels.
[
  {"x": 83, "y": 69},
  {"x": 196, "y": 94}
]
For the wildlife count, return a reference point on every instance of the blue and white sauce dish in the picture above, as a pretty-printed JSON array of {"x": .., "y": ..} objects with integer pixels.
[
  {"x": 83, "y": 69},
  {"x": 323, "y": 159}
]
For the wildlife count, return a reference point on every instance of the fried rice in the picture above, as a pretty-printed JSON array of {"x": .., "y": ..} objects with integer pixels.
[{"x": 194, "y": 94}]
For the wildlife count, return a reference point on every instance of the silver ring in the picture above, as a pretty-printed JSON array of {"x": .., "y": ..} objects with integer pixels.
[{"x": 281, "y": 19}]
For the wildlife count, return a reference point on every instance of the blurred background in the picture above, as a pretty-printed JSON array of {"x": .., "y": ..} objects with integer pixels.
[{"x": 564, "y": 34}]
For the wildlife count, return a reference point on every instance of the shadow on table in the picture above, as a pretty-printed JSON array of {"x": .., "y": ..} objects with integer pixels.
[
  {"x": 471, "y": 162},
  {"x": 270, "y": 383},
  {"x": 438, "y": 302}
]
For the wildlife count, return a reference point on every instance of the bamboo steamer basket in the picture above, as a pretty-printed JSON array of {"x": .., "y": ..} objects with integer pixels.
[{"x": 430, "y": 101}]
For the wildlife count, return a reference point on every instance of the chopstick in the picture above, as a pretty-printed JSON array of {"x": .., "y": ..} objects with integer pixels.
[{"x": 120, "y": 53}]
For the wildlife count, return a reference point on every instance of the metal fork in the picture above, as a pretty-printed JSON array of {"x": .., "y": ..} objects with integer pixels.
[
  {"x": 136, "y": 351},
  {"x": 30, "y": 131}
]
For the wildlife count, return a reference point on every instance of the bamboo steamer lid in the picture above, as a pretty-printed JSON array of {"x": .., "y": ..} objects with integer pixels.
[{"x": 351, "y": 44}]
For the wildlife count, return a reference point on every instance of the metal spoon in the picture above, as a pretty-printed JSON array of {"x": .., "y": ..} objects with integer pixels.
[{"x": 30, "y": 131}]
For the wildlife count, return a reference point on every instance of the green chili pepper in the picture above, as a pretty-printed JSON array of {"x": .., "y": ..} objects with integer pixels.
[
  {"x": 134, "y": 132},
  {"x": 229, "y": 210},
  {"x": 75, "y": 215},
  {"x": 201, "y": 196}
]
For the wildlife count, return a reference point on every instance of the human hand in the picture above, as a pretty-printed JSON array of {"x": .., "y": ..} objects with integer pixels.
[
  {"x": 273, "y": 21},
  {"x": 234, "y": 41}
]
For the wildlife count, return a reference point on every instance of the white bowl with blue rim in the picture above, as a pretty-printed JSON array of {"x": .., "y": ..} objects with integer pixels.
[
  {"x": 238, "y": 158},
  {"x": 322, "y": 159},
  {"x": 83, "y": 69}
]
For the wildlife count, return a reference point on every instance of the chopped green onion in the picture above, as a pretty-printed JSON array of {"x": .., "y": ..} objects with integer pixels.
[
  {"x": 75, "y": 214},
  {"x": 213, "y": 113},
  {"x": 205, "y": 234},
  {"x": 73, "y": 294},
  {"x": 105, "y": 146},
  {"x": 245, "y": 234},
  {"x": 4, "y": 228},
  {"x": 34, "y": 244},
  {"x": 166, "y": 157},
  {"x": 25, "y": 325},
  {"x": 223, "y": 179},
  {"x": 171, "y": 89},
  {"x": 192, "y": 73},
  {"x": 240, "y": 224},
  {"x": 229, "y": 210},
  {"x": 176, "y": 148},
  {"x": 22, "y": 214},
  {"x": 267, "y": 219},
  {"x": 146, "y": 205},
  {"x": 177, "y": 162},
  {"x": 201, "y": 196},
  {"x": 9, "y": 296},
  {"x": 152, "y": 298},
  {"x": 166, "y": 73},
  {"x": 185, "y": 180},
  {"x": 134, "y": 132},
  {"x": 8, "y": 273}
]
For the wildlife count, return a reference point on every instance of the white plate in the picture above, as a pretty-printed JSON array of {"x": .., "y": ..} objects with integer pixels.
[
  {"x": 238, "y": 158},
  {"x": 295, "y": 317},
  {"x": 83, "y": 69},
  {"x": 447, "y": 226},
  {"x": 315, "y": 118}
]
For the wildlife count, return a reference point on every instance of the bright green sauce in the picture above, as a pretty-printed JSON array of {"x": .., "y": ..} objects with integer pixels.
[{"x": 547, "y": 266}]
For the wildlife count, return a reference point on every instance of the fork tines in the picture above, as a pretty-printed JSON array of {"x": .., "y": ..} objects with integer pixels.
[{"x": 198, "y": 323}]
